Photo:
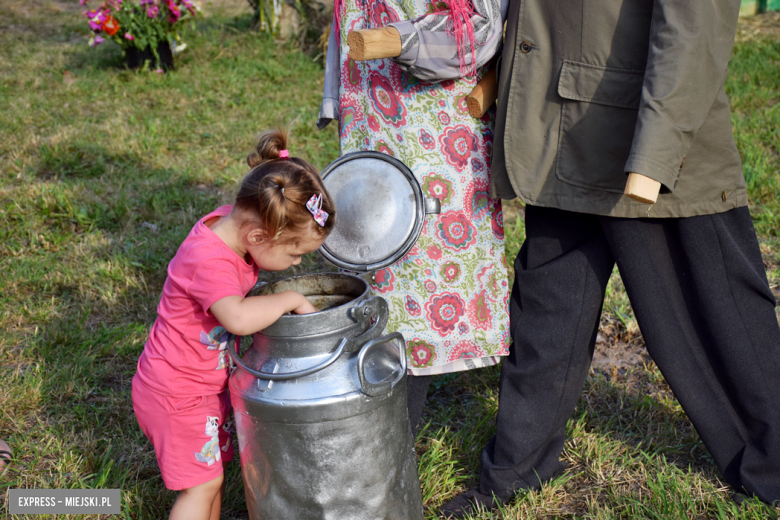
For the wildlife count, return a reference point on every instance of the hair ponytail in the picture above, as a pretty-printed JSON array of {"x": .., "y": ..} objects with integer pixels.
[{"x": 269, "y": 146}]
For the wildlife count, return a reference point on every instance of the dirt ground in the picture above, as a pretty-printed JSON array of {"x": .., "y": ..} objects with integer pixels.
[{"x": 765, "y": 24}]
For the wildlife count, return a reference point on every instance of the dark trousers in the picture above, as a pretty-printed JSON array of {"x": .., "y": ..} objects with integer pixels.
[
  {"x": 700, "y": 295},
  {"x": 416, "y": 397}
]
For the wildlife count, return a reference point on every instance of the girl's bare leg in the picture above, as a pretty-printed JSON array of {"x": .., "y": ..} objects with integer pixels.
[
  {"x": 216, "y": 505},
  {"x": 198, "y": 503}
]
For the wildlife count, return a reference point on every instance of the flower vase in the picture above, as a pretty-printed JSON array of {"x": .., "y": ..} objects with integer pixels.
[{"x": 135, "y": 57}]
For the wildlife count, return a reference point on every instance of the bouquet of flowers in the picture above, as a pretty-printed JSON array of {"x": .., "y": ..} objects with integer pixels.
[{"x": 141, "y": 25}]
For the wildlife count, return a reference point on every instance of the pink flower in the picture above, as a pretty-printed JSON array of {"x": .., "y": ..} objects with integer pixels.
[
  {"x": 476, "y": 198},
  {"x": 97, "y": 40},
  {"x": 174, "y": 9},
  {"x": 382, "y": 14},
  {"x": 426, "y": 140},
  {"x": 129, "y": 36},
  {"x": 96, "y": 19},
  {"x": 385, "y": 101},
  {"x": 383, "y": 281},
  {"x": 351, "y": 77},
  {"x": 457, "y": 145},
  {"x": 434, "y": 253},
  {"x": 456, "y": 231},
  {"x": 465, "y": 350},
  {"x": 438, "y": 187},
  {"x": 479, "y": 312},
  {"x": 351, "y": 115},
  {"x": 420, "y": 353},
  {"x": 497, "y": 220},
  {"x": 443, "y": 312},
  {"x": 463, "y": 106},
  {"x": 190, "y": 6},
  {"x": 381, "y": 146},
  {"x": 450, "y": 271},
  {"x": 373, "y": 123},
  {"x": 411, "y": 306},
  {"x": 152, "y": 11},
  {"x": 83, "y": 2}
]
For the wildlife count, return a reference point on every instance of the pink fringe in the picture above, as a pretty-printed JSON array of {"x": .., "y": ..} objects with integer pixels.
[
  {"x": 460, "y": 18},
  {"x": 338, "y": 9}
]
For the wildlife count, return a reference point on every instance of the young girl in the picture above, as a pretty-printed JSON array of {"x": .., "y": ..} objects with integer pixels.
[{"x": 180, "y": 397}]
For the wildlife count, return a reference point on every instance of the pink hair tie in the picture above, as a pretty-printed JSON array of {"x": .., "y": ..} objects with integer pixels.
[{"x": 284, "y": 154}]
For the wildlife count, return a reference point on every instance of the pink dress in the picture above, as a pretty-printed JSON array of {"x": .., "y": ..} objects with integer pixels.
[
  {"x": 448, "y": 296},
  {"x": 180, "y": 389}
]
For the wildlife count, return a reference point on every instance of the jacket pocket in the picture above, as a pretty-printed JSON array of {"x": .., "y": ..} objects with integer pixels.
[{"x": 598, "y": 116}]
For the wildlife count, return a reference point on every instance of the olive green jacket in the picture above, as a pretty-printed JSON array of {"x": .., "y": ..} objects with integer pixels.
[{"x": 590, "y": 90}]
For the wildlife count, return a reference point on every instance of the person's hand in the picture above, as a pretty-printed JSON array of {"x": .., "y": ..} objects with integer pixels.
[{"x": 305, "y": 308}]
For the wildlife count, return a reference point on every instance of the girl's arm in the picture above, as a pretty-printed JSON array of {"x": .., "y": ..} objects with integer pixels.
[{"x": 244, "y": 316}]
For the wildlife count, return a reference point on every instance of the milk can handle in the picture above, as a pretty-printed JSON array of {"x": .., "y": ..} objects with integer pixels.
[
  {"x": 285, "y": 375},
  {"x": 373, "y": 389}
]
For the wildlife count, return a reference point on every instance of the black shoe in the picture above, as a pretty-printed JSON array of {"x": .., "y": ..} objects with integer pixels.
[{"x": 470, "y": 502}]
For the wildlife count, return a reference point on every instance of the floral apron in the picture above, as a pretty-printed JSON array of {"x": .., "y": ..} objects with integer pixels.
[{"x": 448, "y": 296}]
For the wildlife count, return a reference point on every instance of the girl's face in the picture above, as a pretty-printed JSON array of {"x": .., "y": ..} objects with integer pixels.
[{"x": 270, "y": 255}]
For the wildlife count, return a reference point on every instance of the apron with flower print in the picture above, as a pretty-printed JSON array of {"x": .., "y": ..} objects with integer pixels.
[{"x": 448, "y": 296}]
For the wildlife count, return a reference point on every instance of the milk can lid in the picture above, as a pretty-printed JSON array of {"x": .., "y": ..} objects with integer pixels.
[{"x": 380, "y": 211}]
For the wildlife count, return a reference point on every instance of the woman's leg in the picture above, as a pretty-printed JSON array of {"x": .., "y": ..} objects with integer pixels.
[
  {"x": 562, "y": 271},
  {"x": 417, "y": 395},
  {"x": 699, "y": 291}
]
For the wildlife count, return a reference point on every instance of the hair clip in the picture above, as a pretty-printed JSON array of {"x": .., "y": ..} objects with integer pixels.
[
  {"x": 284, "y": 154},
  {"x": 315, "y": 208}
]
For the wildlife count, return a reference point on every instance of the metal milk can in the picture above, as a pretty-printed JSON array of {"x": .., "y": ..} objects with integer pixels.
[{"x": 320, "y": 409}]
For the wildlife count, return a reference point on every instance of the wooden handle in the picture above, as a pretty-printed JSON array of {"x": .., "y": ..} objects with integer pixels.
[
  {"x": 641, "y": 188},
  {"x": 484, "y": 94},
  {"x": 374, "y": 44}
]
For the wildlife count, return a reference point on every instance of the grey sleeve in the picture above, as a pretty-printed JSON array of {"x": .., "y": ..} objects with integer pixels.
[
  {"x": 430, "y": 53},
  {"x": 690, "y": 46},
  {"x": 329, "y": 109}
]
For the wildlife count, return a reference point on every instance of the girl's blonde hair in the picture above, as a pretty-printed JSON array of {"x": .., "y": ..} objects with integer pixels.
[{"x": 277, "y": 189}]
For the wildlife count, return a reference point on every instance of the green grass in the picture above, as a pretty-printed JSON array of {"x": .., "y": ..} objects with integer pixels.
[
  {"x": 753, "y": 86},
  {"x": 102, "y": 173}
]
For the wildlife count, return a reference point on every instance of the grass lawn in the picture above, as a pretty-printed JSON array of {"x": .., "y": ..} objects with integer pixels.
[{"x": 102, "y": 173}]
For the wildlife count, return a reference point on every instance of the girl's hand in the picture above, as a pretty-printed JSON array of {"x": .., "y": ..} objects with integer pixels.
[{"x": 305, "y": 308}]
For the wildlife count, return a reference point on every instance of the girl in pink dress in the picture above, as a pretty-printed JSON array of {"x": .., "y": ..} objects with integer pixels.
[{"x": 180, "y": 397}]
